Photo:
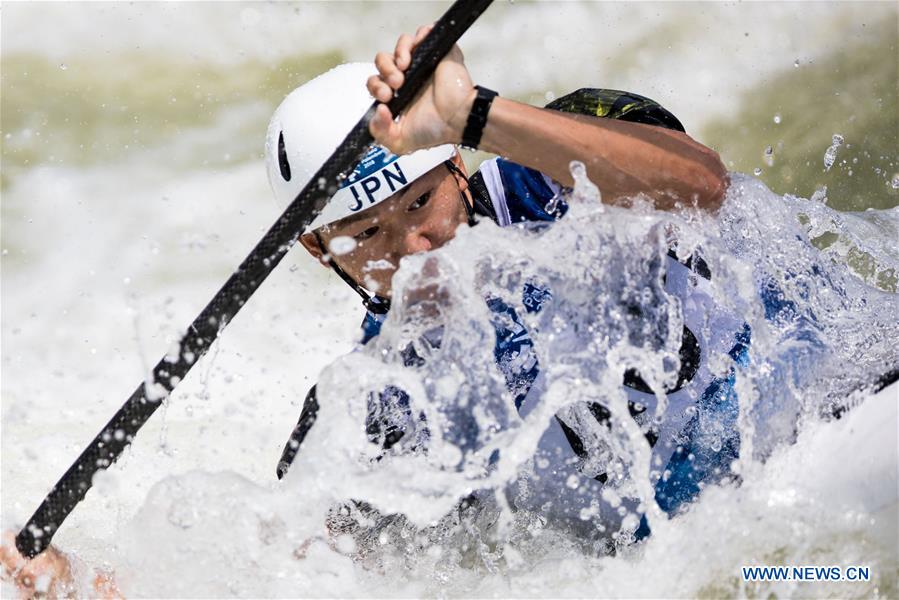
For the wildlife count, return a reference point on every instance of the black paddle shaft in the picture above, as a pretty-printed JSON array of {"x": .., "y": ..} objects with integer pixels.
[{"x": 124, "y": 425}]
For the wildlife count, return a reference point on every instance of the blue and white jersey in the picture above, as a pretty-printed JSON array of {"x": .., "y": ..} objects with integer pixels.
[{"x": 701, "y": 407}]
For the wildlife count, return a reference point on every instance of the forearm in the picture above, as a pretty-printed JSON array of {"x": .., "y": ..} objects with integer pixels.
[{"x": 624, "y": 159}]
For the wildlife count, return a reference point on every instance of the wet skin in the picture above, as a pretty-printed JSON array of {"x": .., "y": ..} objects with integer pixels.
[{"x": 422, "y": 216}]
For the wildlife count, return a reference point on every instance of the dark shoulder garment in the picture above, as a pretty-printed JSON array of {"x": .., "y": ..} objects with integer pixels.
[{"x": 615, "y": 104}]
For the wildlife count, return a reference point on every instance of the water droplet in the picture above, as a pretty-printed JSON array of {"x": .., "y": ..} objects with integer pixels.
[
  {"x": 63, "y": 67},
  {"x": 796, "y": 63},
  {"x": 371, "y": 284},
  {"x": 820, "y": 195},
  {"x": 777, "y": 118},
  {"x": 341, "y": 245},
  {"x": 769, "y": 156},
  {"x": 830, "y": 155},
  {"x": 611, "y": 497},
  {"x": 757, "y": 171},
  {"x": 895, "y": 181}
]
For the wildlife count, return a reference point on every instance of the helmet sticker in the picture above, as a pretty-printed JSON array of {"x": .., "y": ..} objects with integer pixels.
[{"x": 282, "y": 158}]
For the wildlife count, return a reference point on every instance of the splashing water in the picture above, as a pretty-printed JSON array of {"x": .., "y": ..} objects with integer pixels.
[
  {"x": 341, "y": 245},
  {"x": 830, "y": 155},
  {"x": 187, "y": 138},
  {"x": 818, "y": 334}
]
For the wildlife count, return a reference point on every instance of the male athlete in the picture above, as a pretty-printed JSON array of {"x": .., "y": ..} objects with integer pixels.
[
  {"x": 394, "y": 207},
  {"x": 411, "y": 193},
  {"x": 625, "y": 158}
]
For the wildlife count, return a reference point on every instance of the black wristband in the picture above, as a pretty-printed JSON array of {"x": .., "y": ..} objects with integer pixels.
[{"x": 477, "y": 118}]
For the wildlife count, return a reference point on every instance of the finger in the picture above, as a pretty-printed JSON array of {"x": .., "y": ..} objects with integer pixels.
[
  {"x": 50, "y": 568},
  {"x": 388, "y": 71},
  {"x": 385, "y": 130},
  {"x": 10, "y": 557},
  {"x": 421, "y": 32},
  {"x": 403, "y": 52},
  {"x": 25, "y": 579},
  {"x": 9, "y": 539},
  {"x": 379, "y": 126},
  {"x": 379, "y": 90},
  {"x": 12, "y": 561}
]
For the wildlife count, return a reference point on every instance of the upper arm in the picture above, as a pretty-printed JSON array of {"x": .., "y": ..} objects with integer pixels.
[{"x": 618, "y": 105}]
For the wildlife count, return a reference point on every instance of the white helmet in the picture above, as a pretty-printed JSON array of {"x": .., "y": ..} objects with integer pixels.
[{"x": 310, "y": 124}]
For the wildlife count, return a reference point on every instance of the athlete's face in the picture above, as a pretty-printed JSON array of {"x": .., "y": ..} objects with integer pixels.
[{"x": 421, "y": 217}]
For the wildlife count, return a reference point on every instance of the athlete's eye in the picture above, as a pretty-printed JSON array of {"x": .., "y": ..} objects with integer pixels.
[
  {"x": 419, "y": 202},
  {"x": 364, "y": 235}
]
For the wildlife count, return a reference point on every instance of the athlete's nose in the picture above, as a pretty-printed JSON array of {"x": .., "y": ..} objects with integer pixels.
[{"x": 417, "y": 240}]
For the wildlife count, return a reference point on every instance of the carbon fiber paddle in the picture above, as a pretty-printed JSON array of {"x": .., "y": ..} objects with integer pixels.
[{"x": 124, "y": 425}]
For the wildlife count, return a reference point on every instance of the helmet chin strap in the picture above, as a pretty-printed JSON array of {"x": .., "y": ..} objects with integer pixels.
[
  {"x": 469, "y": 206},
  {"x": 374, "y": 303}
]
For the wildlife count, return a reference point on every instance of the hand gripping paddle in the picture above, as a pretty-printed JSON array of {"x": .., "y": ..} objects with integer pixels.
[{"x": 124, "y": 425}]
